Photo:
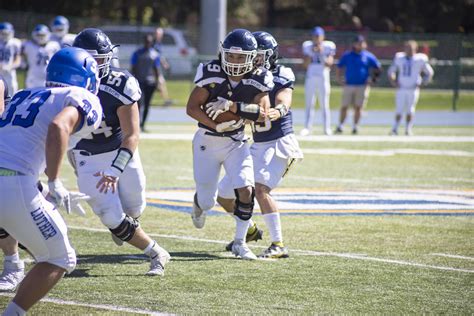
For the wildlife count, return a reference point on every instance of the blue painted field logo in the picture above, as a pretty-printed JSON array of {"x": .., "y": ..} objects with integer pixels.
[
  {"x": 331, "y": 203},
  {"x": 46, "y": 228}
]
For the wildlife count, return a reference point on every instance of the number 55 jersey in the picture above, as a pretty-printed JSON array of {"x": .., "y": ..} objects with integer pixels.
[{"x": 24, "y": 124}]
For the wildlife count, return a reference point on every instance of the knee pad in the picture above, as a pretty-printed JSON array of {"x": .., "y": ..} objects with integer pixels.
[
  {"x": 126, "y": 230},
  {"x": 3, "y": 233},
  {"x": 242, "y": 210}
]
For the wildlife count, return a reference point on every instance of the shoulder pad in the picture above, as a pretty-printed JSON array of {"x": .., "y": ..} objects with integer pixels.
[
  {"x": 208, "y": 73},
  {"x": 120, "y": 84},
  {"x": 400, "y": 55},
  {"x": 329, "y": 44},
  {"x": 307, "y": 47},
  {"x": 421, "y": 56},
  {"x": 261, "y": 78},
  {"x": 284, "y": 75},
  {"x": 86, "y": 103}
]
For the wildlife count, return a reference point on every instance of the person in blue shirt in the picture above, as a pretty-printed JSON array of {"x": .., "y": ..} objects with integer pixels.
[{"x": 361, "y": 70}]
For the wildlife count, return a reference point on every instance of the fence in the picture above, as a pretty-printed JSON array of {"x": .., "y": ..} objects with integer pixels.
[{"x": 451, "y": 55}]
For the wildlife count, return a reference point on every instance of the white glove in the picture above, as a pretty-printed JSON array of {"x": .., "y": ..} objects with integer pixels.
[
  {"x": 213, "y": 109},
  {"x": 66, "y": 200},
  {"x": 229, "y": 126}
]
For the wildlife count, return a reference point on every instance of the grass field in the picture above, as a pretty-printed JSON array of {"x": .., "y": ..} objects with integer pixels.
[{"x": 338, "y": 264}]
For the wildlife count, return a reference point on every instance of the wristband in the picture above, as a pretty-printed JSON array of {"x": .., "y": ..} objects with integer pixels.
[
  {"x": 282, "y": 108},
  {"x": 248, "y": 111},
  {"x": 122, "y": 159}
]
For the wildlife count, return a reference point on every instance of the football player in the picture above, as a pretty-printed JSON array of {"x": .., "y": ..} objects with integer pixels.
[
  {"x": 229, "y": 83},
  {"x": 60, "y": 31},
  {"x": 38, "y": 51},
  {"x": 274, "y": 150},
  {"x": 109, "y": 159},
  {"x": 10, "y": 56},
  {"x": 318, "y": 59},
  {"x": 408, "y": 72},
  {"x": 38, "y": 126}
]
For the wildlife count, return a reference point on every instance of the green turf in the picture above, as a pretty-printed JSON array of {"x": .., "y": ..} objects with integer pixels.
[{"x": 204, "y": 279}]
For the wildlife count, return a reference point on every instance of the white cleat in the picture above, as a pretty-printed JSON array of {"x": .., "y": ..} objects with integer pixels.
[
  {"x": 328, "y": 132},
  {"x": 13, "y": 274},
  {"x": 198, "y": 215},
  {"x": 305, "y": 132},
  {"x": 158, "y": 262},
  {"x": 240, "y": 249}
]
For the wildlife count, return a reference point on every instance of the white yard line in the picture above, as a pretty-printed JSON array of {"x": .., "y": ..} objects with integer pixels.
[
  {"x": 447, "y": 255},
  {"x": 303, "y": 252},
  {"x": 98, "y": 306},
  {"x": 338, "y": 138},
  {"x": 388, "y": 152}
]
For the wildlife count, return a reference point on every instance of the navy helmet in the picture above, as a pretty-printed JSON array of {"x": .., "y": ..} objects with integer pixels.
[
  {"x": 98, "y": 44},
  {"x": 41, "y": 34},
  {"x": 267, "y": 46},
  {"x": 6, "y": 31},
  {"x": 238, "y": 42},
  {"x": 72, "y": 66},
  {"x": 60, "y": 26}
]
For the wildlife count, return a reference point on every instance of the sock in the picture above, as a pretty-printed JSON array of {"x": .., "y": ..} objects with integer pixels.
[
  {"x": 409, "y": 126},
  {"x": 13, "y": 258},
  {"x": 241, "y": 228},
  {"x": 395, "y": 126},
  {"x": 272, "y": 220},
  {"x": 13, "y": 309},
  {"x": 152, "y": 249}
]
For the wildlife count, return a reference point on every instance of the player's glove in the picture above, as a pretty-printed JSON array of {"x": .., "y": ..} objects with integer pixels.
[
  {"x": 69, "y": 201},
  {"x": 213, "y": 109},
  {"x": 229, "y": 126}
]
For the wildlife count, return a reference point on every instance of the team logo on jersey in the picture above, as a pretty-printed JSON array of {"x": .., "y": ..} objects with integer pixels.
[{"x": 202, "y": 147}]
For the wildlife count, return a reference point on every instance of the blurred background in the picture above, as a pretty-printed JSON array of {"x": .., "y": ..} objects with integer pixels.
[{"x": 444, "y": 29}]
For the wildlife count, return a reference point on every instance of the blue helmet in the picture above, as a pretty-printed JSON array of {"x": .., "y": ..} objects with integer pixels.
[
  {"x": 6, "y": 31},
  {"x": 41, "y": 34},
  {"x": 72, "y": 66},
  {"x": 268, "y": 47},
  {"x": 238, "y": 42},
  {"x": 60, "y": 26}
]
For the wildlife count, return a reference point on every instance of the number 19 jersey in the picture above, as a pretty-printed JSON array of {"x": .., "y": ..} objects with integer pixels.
[{"x": 24, "y": 124}]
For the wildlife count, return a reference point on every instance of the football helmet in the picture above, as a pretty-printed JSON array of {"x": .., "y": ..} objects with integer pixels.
[
  {"x": 41, "y": 34},
  {"x": 6, "y": 31},
  {"x": 60, "y": 26},
  {"x": 238, "y": 42},
  {"x": 72, "y": 66},
  {"x": 98, "y": 44},
  {"x": 267, "y": 47}
]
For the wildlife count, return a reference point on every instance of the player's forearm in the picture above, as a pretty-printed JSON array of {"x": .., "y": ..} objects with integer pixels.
[
  {"x": 196, "y": 113},
  {"x": 329, "y": 61},
  {"x": 56, "y": 145},
  {"x": 130, "y": 142}
]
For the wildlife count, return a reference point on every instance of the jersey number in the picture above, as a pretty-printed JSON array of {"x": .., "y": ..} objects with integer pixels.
[
  {"x": 406, "y": 69},
  {"x": 262, "y": 127},
  {"x": 114, "y": 79},
  {"x": 213, "y": 68},
  {"x": 25, "y": 117}
]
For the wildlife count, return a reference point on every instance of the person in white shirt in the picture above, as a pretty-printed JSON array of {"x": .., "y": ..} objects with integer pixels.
[
  {"x": 318, "y": 59},
  {"x": 408, "y": 72},
  {"x": 10, "y": 56},
  {"x": 60, "y": 31},
  {"x": 38, "y": 51}
]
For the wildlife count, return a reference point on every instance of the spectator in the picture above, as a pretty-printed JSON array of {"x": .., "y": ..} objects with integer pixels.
[
  {"x": 146, "y": 68},
  {"x": 164, "y": 65},
  {"x": 357, "y": 64}
]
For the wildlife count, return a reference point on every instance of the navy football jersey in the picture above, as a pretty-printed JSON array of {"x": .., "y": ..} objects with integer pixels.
[
  {"x": 211, "y": 77},
  {"x": 118, "y": 89},
  {"x": 283, "y": 77}
]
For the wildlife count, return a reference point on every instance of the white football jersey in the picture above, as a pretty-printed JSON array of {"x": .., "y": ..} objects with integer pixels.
[
  {"x": 24, "y": 124},
  {"x": 317, "y": 67},
  {"x": 9, "y": 51},
  {"x": 37, "y": 59},
  {"x": 410, "y": 70},
  {"x": 66, "y": 41}
]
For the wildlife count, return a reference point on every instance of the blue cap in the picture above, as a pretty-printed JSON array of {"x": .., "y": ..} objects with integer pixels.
[
  {"x": 318, "y": 31},
  {"x": 359, "y": 38}
]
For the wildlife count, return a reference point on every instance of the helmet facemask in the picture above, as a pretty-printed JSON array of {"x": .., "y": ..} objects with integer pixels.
[
  {"x": 59, "y": 30},
  {"x": 103, "y": 61},
  {"x": 266, "y": 54},
  {"x": 237, "y": 69}
]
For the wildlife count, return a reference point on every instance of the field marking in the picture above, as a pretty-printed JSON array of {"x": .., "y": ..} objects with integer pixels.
[
  {"x": 303, "y": 252},
  {"x": 337, "y": 138},
  {"x": 447, "y": 255},
  {"x": 388, "y": 152},
  {"x": 97, "y": 306}
]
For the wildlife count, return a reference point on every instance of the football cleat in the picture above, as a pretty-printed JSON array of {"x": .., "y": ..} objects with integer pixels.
[
  {"x": 255, "y": 236},
  {"x": 13, "y": 274},
  {"x": 240, "y": 249},
  {"x": 158, "y": 262},
  {"x": 275, "y": 252},
  {"x": 328, "y": 132},
  {"x": 409, "y": 132},
  {"x": 305, "y": 132},
  {"x": 198, "y": 215},
  {"x": 393, "y": 132},
  {"x": 338, "y": 130},
  {"x": 355, "y": 131}
]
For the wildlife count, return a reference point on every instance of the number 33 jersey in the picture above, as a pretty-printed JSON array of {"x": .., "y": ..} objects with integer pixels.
[
  {"x": 24, "y": 124},
  {"x": 118, "y": 88}
]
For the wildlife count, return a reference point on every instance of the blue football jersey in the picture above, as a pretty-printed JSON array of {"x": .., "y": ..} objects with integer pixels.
[
  {"x": 283, "y": 77},
  {"x": 118, "y": 88},
  {"x": 211, "y": 77}
]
